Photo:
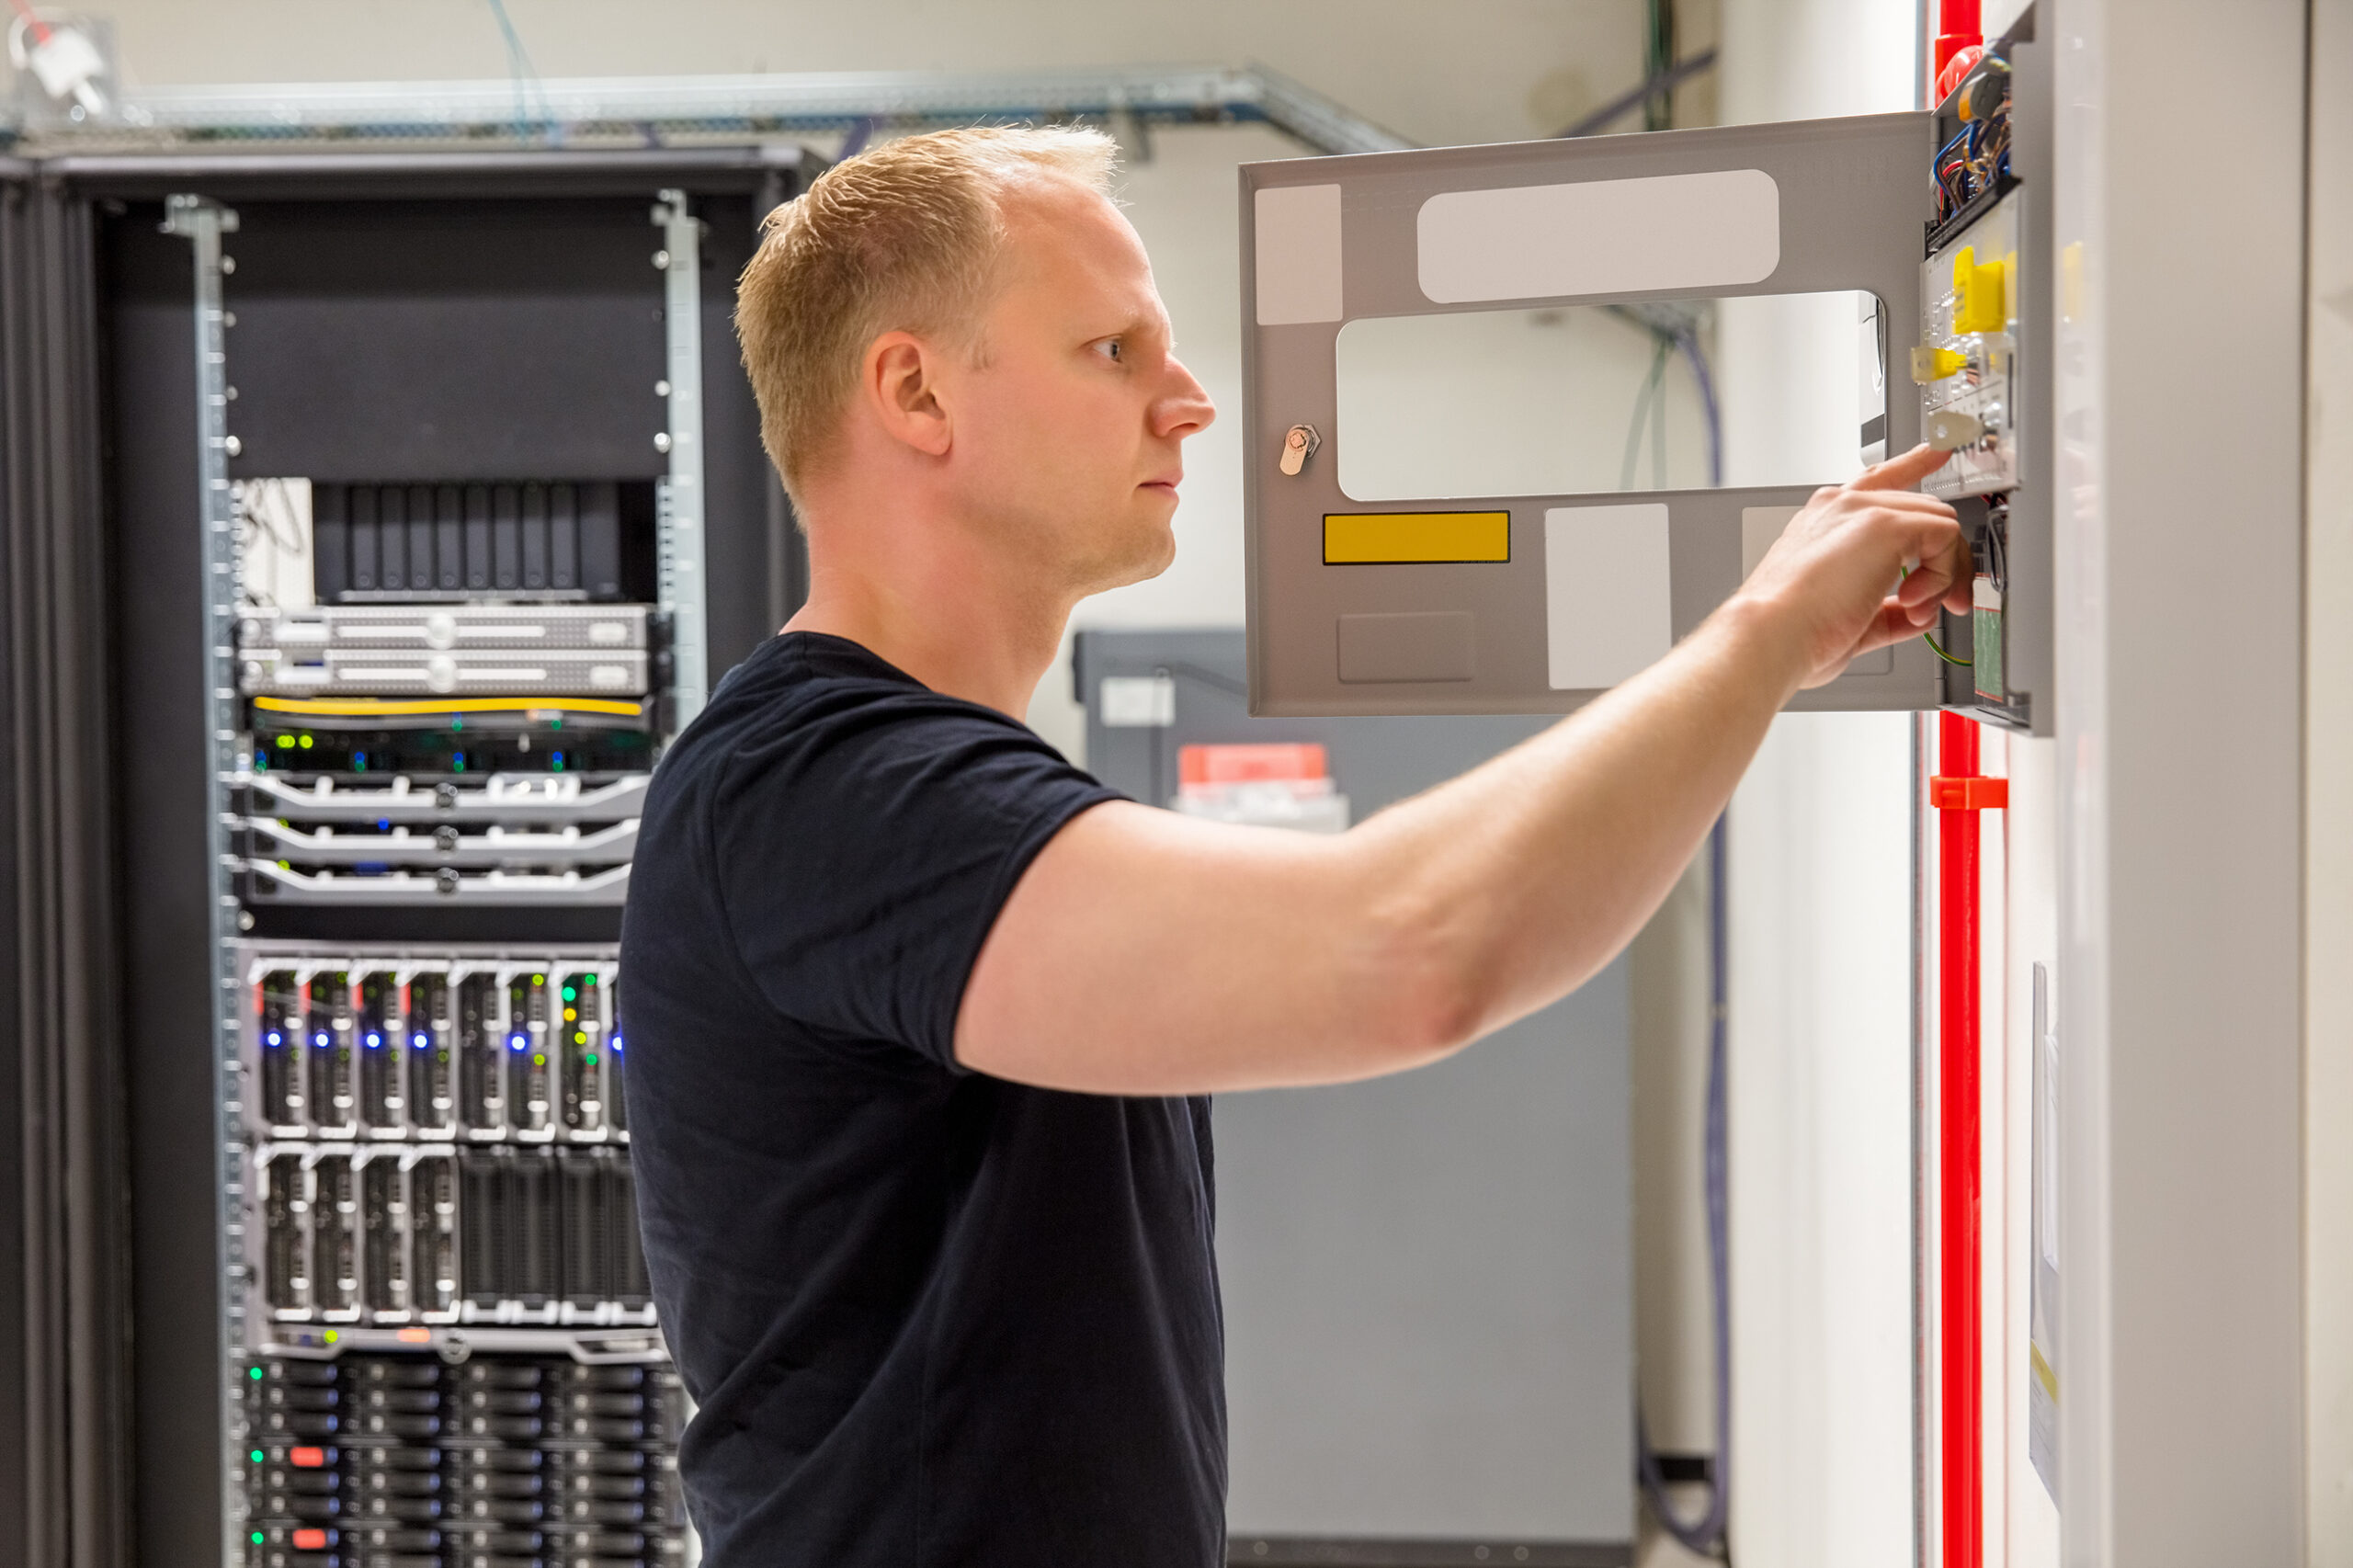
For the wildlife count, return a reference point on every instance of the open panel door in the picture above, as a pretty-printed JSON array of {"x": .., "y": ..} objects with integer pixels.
[{"x": 1376, "y": 588}]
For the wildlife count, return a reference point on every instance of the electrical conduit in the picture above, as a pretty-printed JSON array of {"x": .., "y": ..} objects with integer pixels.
[{"x": 1959, "y": 793}]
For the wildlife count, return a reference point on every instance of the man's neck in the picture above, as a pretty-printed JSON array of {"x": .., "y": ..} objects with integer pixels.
[{"x": 966, "y": 628}]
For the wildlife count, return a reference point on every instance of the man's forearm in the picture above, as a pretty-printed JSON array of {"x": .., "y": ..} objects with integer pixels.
[
  {"x": 1506, "y": 888},
  {"x": 1149, "y": 953}
]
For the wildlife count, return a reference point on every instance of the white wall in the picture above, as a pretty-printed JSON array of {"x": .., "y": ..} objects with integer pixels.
[
  {"x": 1821, "y": 981},
  {"x": 1490, "y": 70},
  {"x": 2180, "y": 784}
]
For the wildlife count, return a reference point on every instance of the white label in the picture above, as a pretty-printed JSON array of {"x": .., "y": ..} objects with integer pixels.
[
  {"x": 1614, "y": 236},
  {"x": 1759, "y": 528},
  {"x": 1608, "y": 593},
  {"x": 1138, "y": 702},
  {"x": 1298, "y": 231}
]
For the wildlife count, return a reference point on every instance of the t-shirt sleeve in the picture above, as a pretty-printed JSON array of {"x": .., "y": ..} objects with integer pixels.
[{"x": 863, "y": 857}]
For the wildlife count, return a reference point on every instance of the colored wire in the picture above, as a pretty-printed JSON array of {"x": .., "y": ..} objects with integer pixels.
[
  {"x": 1700, "y": 375},
  {"x": 1931, "y": 638},
  {"x": 1649, "y": 403},
  {"x": 526, "y": 77},
  {"x": 32, "y": 19},
  {"x": 364, "y": 708}
]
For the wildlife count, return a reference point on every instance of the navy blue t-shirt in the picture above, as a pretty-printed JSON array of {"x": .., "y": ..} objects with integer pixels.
[{"x": 929, "y": 1317}]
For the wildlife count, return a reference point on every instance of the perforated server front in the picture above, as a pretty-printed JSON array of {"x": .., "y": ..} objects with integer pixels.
[{"x": 476, "y": 516}]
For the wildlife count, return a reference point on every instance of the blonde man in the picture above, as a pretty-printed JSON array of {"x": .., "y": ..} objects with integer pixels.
[{"x": 921, "y": 1018}]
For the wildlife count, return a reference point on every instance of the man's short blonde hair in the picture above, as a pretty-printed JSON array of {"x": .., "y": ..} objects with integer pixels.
[{"x": 903, "y": 238}]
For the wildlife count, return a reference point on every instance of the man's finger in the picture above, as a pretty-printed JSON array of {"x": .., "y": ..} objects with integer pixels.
[
  {"x": 1910, "y": 501},
  {"x": 1901, "y": 472},
  {"x": 1922, "y": 586},
  {"x": 1891, "y": 625}
]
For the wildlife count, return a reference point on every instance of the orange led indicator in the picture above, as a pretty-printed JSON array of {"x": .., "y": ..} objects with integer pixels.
[
  {"x": 307, "y": 1459},
  {"x": 311, "y": 1540},
  {"x": 417, "y": 1336}
]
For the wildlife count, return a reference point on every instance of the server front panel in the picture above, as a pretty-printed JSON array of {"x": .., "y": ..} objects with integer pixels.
[{"x": 451, "y": 635}]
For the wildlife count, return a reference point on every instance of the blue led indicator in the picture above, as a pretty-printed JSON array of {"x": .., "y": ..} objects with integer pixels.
[
  {"x": 418, "y": 1041},
  {"x": 276, "y": 1039},
  {"x": 374, "y": 1041},
  {"x": 515, "y": 1044},
  {"x": 320, "y": 1038}
]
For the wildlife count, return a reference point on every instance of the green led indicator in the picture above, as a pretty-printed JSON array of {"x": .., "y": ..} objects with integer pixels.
[
  {"x": 589, "y": 1058},
  {"x": 570, "y": 995},
  {"x": 257, "y": 1456},
  {"x": 255, "y": 1374},
  {"x": 285, "y": 742},
  {"x": 258, "y": 1538}
]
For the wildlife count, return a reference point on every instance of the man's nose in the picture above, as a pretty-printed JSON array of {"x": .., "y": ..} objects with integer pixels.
[{"x": 1186, "y": 410}]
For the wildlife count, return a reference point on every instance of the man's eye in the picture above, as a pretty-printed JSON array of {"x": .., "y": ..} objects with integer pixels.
[{"x": 1111, "y": 348}]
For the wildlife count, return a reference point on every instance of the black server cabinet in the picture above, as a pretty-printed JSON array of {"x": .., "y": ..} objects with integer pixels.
[{"x": 368, "y": 848}]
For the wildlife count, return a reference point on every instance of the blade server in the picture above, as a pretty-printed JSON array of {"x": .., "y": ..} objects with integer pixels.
[{"x": 474, "y": 526}]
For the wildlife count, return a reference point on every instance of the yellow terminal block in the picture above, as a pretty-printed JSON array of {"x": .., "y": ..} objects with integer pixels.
[
  {"x": 1980, "y": 300},
  {"x": 1931, "y": 364}
]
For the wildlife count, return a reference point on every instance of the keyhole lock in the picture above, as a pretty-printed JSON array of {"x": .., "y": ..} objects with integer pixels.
[{"x": 1299, "y": 444}]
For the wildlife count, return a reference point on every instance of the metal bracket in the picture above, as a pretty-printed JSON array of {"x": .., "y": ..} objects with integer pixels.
[
  {"x": 681, "y": 548},
  {"x": 202, "y": 223}
]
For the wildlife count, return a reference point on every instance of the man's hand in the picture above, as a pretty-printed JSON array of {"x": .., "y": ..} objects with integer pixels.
[{"x": 1836, "y": 580}]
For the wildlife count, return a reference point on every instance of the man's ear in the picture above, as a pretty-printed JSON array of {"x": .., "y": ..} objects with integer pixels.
[{"x": 899, "y": 385}]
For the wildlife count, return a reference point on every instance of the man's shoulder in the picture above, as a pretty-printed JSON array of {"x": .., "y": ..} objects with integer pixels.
[{"x": 811, "y": 713}]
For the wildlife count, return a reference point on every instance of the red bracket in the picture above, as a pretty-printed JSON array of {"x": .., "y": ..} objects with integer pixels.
[{"x": 1970, "y": 794}]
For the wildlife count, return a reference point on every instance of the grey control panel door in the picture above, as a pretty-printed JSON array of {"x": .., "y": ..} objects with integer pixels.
[{"x": 1376, "y": 587}]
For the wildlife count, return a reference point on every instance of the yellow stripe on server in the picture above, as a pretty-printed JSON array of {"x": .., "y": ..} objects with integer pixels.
[
  {"x": 1355, "y": 539},
  {"x": 327, "y": 707}
]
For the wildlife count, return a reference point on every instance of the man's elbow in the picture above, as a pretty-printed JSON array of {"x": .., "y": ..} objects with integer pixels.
[{"x": 1427, "y": 991}]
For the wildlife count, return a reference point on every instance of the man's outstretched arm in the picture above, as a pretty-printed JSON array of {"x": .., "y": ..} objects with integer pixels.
[{"x": 1145, "y": 953}]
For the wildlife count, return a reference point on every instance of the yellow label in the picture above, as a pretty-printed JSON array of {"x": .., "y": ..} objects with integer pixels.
[{"x": 1353, "y": 538}]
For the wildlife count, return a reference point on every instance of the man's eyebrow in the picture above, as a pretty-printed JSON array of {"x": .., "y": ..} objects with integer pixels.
[{"x": 1138, "y": 323}]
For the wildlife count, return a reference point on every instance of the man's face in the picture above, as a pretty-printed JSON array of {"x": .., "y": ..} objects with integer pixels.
[{"x": 1067, "y": 429}]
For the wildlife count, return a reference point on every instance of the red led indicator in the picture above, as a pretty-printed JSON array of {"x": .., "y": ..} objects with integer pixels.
[
  {"x": 307, "y": 1459},
  {"x": 309, "y": 1540}
]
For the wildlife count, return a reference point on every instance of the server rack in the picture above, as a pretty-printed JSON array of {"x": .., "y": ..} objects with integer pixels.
[{"x": 381, "y": 1300}]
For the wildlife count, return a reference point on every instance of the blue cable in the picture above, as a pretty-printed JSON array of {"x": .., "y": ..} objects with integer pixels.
[
  {"x": 518, "y": 66},
  {"x": 1688, "y": 341}
]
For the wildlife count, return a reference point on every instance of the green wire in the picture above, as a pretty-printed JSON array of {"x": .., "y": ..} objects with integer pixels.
[
  {"x": 1650, "y": 403},
  {"x": 1937, "y": 648}
]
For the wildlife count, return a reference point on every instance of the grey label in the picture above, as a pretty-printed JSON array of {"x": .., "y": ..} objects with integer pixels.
[{"x": 1420, "y": 645}]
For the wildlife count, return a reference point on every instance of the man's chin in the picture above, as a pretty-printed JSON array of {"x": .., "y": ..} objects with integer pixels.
[{"x": 1152, "y": 553}]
